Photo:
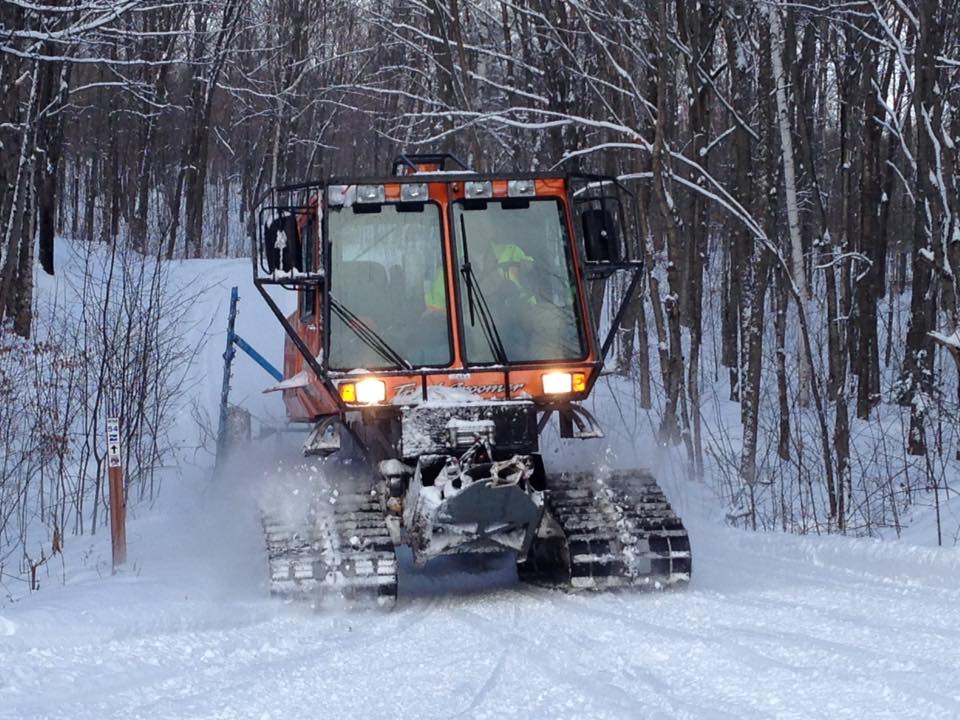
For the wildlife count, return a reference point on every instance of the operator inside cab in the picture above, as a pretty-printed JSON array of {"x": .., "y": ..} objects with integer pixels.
[
  {"x": 510, "y": 265},
  {"x": 515, "y": 283}
]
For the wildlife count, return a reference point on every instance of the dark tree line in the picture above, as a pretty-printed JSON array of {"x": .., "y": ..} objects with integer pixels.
[{"x": 795, "y": 163}]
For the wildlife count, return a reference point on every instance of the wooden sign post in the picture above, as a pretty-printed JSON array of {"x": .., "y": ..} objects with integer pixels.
[{"x": 118, "y": 498}]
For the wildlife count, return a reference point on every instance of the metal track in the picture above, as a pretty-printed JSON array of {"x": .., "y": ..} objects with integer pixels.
[
  {"x": 341, "y": 553},
  {"x": 618, "y": 531}
]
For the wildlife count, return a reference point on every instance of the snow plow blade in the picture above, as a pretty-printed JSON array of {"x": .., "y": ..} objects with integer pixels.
[{"x": 607, "y": 533}]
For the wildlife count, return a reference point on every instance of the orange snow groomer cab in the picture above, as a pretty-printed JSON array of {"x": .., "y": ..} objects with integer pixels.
[{"x": 439, "y": 285}]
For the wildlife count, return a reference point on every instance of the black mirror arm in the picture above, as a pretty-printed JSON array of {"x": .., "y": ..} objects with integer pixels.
[{"x": 621, "y": 311}]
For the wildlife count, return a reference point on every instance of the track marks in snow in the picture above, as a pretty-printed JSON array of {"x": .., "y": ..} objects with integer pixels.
[
  {"x": 772, "y": 627},
  {"x": 568, "y": 665},
  {"x": 488, "y": 684}
]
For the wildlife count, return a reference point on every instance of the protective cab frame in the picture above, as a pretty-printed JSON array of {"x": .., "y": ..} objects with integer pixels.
[{"x": 600, "y": 215}]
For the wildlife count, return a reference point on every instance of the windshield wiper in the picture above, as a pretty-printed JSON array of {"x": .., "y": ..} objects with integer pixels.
[
  {"x": 367, "y": 334},
  {"x": 480, "y": 308}
]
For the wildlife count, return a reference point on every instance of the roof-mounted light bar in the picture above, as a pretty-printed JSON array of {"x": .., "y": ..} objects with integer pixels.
[
  {"x": 521, "y": 188},
  {"x": 370, "y": 193},
  {"x": 341, "y": 194},
  {"x": 473, "y": 189},
  {"x": 347, "y": 195},
  {"x": 413, "y": 192}
]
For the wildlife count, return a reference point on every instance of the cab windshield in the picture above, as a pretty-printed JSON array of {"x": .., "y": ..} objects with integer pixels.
[
  {"x": 385, "y": 312},
  {"x": 516, "y": 280}
]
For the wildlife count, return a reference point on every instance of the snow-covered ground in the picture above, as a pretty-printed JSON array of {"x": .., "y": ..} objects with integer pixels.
[{"x": 773, "y": 625}]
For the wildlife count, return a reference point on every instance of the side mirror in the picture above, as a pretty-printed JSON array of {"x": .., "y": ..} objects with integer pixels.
[
  {"x": 281, "y": 246},
  {"x": 600, "y": 236}
]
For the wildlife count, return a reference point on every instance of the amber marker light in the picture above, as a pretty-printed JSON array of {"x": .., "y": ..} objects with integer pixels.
[
  {"x": 579, "y": 382},
  {"x": 348, "y": 392},
  {"x": 368, "y": 391}
]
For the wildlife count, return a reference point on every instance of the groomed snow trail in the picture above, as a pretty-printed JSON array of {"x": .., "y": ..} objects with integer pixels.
[{"x": 773, "y": 627}]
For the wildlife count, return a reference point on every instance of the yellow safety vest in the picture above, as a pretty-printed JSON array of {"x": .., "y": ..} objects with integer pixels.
[{"x": 506, "y": 253}]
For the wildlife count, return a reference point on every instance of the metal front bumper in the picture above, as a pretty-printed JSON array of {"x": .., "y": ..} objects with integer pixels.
[{"x": 425, "y": 428}]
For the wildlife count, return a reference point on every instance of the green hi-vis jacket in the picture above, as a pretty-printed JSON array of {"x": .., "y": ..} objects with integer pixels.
[{"x": 508, "y": 257}]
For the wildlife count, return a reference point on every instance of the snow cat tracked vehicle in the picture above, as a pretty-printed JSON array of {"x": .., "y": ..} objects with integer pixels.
[{"x": 443, "y": 319}]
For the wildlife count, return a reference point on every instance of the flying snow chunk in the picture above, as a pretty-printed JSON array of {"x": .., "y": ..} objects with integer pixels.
[{"x": 7, "y": 627}]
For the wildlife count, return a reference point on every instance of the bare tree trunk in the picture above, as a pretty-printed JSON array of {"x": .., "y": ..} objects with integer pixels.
[
  {"x": 918, "y": 364},
  {"x": 669, "y": 430},
  {"x": 756, "y": 275},
  {"x": 138, "y": 228},
  {"x": 643, "y": 356},
  {"x": 92, "y": 192},
  {"x": 783, "y": 400},
  {"x": 198, "y": 147},
  {"x": 739, "y": 250},
  {"x": 16, "y": 229},
  {"x": 790, "y": 187},
  {"x": 867, "y": 290},
  {"x": 50, "y": 144},
  {"x": 697, "y": 29}
]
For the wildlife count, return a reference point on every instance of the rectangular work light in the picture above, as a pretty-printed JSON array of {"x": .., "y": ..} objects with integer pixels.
[
  {"x": 521, "y": 188},
  {"x": 370, "y": 193},
  {"x": 478, "y": 189},
  {"x": 368, "y": 391},
  {"x": 561, "y": 383},
  {"x": 413, "y": 192}
]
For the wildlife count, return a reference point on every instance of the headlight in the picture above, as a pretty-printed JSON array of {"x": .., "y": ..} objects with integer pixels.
[
  {"x": 366, "y": 392},
  {"x": 557, "y": 383},
  {"x": 371, "y": 392},
  {"x": 561, "y": 383}
]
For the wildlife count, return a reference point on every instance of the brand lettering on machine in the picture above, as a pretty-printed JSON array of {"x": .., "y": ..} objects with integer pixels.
[
  {"x": 480, "y": 389},
  {"x": 473, "y": 389}
]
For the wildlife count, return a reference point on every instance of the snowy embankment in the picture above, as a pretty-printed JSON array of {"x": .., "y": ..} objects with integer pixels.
[{"x": 773, "y": 626}]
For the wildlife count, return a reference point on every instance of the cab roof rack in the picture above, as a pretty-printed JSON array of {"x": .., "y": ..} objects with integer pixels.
[{"x": 412, "y": 163}]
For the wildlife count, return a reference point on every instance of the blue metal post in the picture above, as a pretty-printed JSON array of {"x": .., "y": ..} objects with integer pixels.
[
  {"x": 228, "y": 356},
  {"x": 257, "y": 357}
]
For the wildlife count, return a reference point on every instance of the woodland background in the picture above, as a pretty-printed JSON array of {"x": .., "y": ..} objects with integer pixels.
[{"x": 795, "y": 165}]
